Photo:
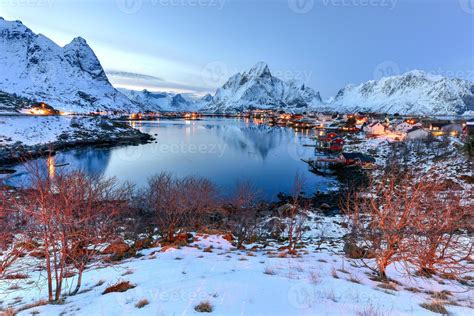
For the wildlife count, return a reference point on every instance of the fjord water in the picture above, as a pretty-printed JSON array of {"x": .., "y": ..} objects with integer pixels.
[{"x": 222, "y": 150}]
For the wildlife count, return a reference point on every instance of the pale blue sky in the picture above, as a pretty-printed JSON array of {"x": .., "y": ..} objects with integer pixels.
[{"x": 195, "y": 45}]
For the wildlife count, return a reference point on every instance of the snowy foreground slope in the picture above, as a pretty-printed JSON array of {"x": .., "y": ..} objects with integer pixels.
[
  {"x": 415, "y": 92},
  {"x": 256, "y": 281},
  {"x": 258, "y": 88},
  {"x": 69, "y": 78}
]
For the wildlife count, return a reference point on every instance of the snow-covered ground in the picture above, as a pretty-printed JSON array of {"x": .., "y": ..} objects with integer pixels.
[
  {"x": 34, "y": 130},
  {"x": 444, "y": 156},
  {"x": 20, "y": 133},
  {"x": 256, "y": 281}
]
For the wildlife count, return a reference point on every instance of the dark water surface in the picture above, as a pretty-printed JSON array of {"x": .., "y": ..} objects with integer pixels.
[{"x": 222, "y": 150}]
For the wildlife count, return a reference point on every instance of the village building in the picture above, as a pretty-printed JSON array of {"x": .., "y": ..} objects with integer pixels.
[
  {"x": 375, "y": 129},
  {"x": 358, "y": 159},
  {"x": 468, "y": 129},
  {"x": 330, "y": 142},
  {"x": 43, "y": 109},
  {"x": 435, "y": 125},
  {"x": 405, "y": 126},
  {"x": 452, "y": 129},
  {"x": 417, "y": 133}
]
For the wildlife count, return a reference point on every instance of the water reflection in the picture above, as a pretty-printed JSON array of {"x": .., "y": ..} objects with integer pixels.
[{"x": 222, "y": 150}]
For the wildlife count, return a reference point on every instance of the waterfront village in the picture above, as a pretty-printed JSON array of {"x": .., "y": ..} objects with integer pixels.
[{"x": 334, "y": 133}]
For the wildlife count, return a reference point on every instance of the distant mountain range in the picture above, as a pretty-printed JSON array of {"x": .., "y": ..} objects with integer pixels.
[
  {"x": 71, "y": 78},
  {"x": 415, "y": 92},
  {"x": 164, "y": 101}
]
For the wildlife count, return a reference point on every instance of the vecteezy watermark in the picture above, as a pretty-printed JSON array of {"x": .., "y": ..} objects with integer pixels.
[
  {"x": 166, "y": 295},
  {"x": 301, "y": 6},
  {"x": 386, "y": 69},
  {"x": 185, "y": 148},
  {"x": 390, "y": 4},
  {"x": 129, "y": 6},
  {"x": 302, "y": 296},
  {"x": 390, "y": 68},
  {"x": 219, "y": 4},
  {"x": 134, "y": 6},
  {"x": 130, "y": 153},
  {"x": 299, "y": 75},
  {"x": 215, "y": 73},
  {"x": 467, "y": 6},
  {"x": 27, "y": 3}
]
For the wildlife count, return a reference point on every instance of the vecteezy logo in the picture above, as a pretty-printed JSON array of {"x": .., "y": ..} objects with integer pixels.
[
  {"x": 301, "y": 296},
  {"x": 129, "y": 6},
  {"x": 301, "y": 6},
  {"x": 130, "y": 153},
  {"x": 467, "y": 6},
  {"x": 386, "y": 69},
  {"x": 214, "y": 73}
]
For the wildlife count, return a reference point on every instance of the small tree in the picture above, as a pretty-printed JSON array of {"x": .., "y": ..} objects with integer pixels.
[
  {"x": 296, "y": 214},
  {"x": 439, "y": 240},
  {"x": 179, "y": 203},
  {"x": 380, "y": 220},
  {"x": 69, "y": 216},
  {"x": 92, "y": 206},
  {"x": 417, "y": 221},
  {"x": 242, "y": 212},
  {"x": 10, "y": 225}
]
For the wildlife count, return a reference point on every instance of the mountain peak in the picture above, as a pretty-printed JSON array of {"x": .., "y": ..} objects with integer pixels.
[
  {"x": 260, "y": 70},
  {"x": 79, "y": 40},
  {"x": 14, "y": 25},
  {"x": 69, "y": 78}
]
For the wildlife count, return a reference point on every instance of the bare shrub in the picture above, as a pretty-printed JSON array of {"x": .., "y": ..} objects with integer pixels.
[
  {"x": 411, "y": 220},
  {"x": 269, "y": 271},
  {"x": 435, "y": 307},
  {"x": 121, "y": 286},
  {"x": 296, "y": 214},
  {"x": 179, "y": 204},
  {"x": 142, "y": 303},
  {"x": 369, "y": 311},
  {"x": 204, "y": 307},
  {"x": 69, "y": 216},
  {"x": 242, "y": 212},
  {"x": 11, "y": 221}
]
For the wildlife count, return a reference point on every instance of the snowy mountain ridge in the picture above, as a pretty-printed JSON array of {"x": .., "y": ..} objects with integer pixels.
[
  {"x": 258, "y": 88},
  {"x": 165, "y": 101},
  {"x": 415, "y": 92},
  {"x": 69, "y": 78}
]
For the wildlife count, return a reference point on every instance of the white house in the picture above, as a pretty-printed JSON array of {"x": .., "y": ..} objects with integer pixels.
[
  {"x": 417, "y": 133},
  {"x": 404, "y": 127},
  {"x": 375, "y": 128}
]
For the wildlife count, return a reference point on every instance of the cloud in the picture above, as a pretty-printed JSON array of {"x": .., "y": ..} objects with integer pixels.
[
  {"x": 131, "y": 75},
  {"x": 138, "y": 81}
]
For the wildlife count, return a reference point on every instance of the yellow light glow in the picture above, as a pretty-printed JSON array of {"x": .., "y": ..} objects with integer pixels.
[{"x": 51, "y": 167}]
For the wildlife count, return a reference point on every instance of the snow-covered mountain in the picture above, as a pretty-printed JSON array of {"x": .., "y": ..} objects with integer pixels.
[
  {"x": 69, "y": 78},
  {"x": 415, "y": 92},
  {"x": 165, "y": 101},
  {"x": 258, "y": 88}
]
